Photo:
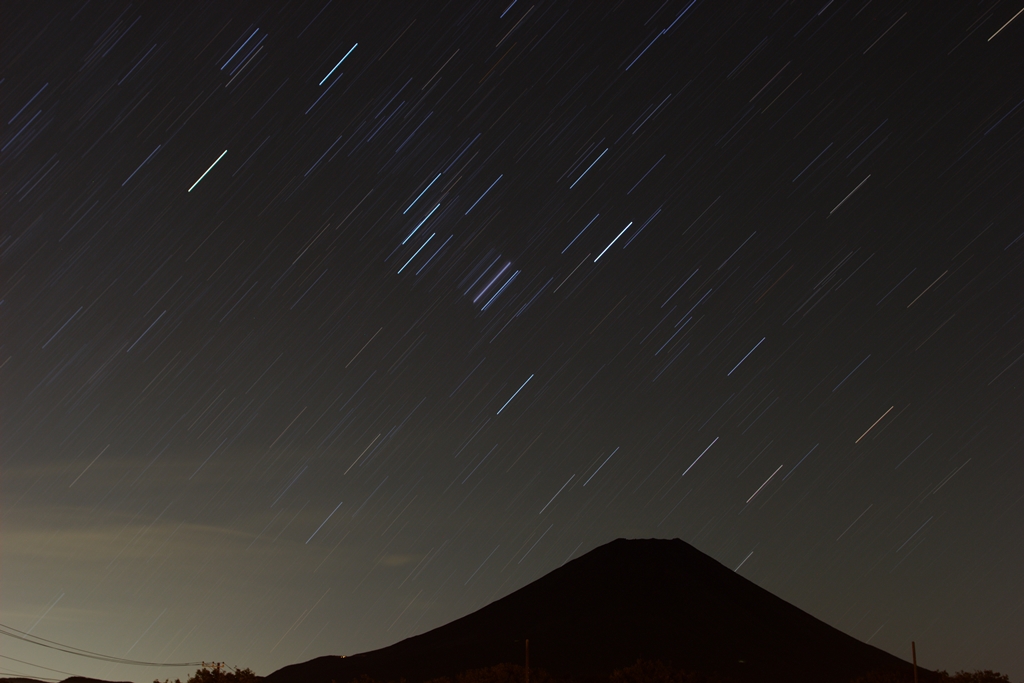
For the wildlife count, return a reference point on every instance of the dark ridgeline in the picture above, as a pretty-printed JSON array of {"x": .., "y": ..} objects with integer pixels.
[
  {"x": 72, "y": 679},
  {"x": 630, "y": 599}
]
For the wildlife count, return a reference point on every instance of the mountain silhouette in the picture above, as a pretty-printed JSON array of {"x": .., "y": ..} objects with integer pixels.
[{"x": 629, "y": 599}]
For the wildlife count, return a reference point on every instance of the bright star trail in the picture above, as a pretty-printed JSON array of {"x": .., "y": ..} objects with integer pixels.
[
  {"x": 207, "y": 170},
  {"x": 510, "y": 280}
]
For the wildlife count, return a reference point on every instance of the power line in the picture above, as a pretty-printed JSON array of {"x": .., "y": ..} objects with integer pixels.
[
  {"x": 39, "y": 666},
  {"x": 36, "y": 678},
  {"x": 12, "y": 632},
  {"x": 18, "y": 674}
]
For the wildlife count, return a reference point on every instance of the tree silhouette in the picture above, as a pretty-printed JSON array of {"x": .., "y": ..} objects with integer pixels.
[{"x": 218, "y": 672}]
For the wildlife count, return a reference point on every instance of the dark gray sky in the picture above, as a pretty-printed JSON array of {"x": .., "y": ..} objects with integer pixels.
[{"x": 323, "y": 325}]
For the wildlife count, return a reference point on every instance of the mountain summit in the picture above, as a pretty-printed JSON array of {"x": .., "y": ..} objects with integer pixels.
[{"x": 629, "y": 599}]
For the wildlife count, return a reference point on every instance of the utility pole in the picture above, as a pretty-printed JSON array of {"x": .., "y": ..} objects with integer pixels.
[
  {"x": 527, "y": 663},
  {"x": 913, "y": 653}
]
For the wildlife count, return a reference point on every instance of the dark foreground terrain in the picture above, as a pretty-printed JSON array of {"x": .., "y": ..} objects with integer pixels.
[
  {"x": 657, "y": 600},
  {"x": 631, "y": 611},
  {"x": 73, "y": 679}
]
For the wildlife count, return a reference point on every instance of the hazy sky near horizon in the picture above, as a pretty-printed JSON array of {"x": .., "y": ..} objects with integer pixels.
[{"x": 325, "y": 323}]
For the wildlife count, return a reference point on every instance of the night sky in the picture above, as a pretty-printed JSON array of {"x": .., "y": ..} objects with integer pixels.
[{"x": 324, "y": 325}]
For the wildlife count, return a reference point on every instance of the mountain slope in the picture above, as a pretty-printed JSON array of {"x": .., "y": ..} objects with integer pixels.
[{"x": 628, "y": 599}]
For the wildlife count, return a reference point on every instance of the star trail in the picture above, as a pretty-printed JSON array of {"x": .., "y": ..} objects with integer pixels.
[{"x": 326, "y": 323}]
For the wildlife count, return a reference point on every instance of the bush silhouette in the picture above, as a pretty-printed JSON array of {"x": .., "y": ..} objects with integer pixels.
[
  {"x": 985, "y": 676},
  {"x": 645, "y": 671},
  {"x": 499, "y": 673},
  {"x": 885, "y": 677}
]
